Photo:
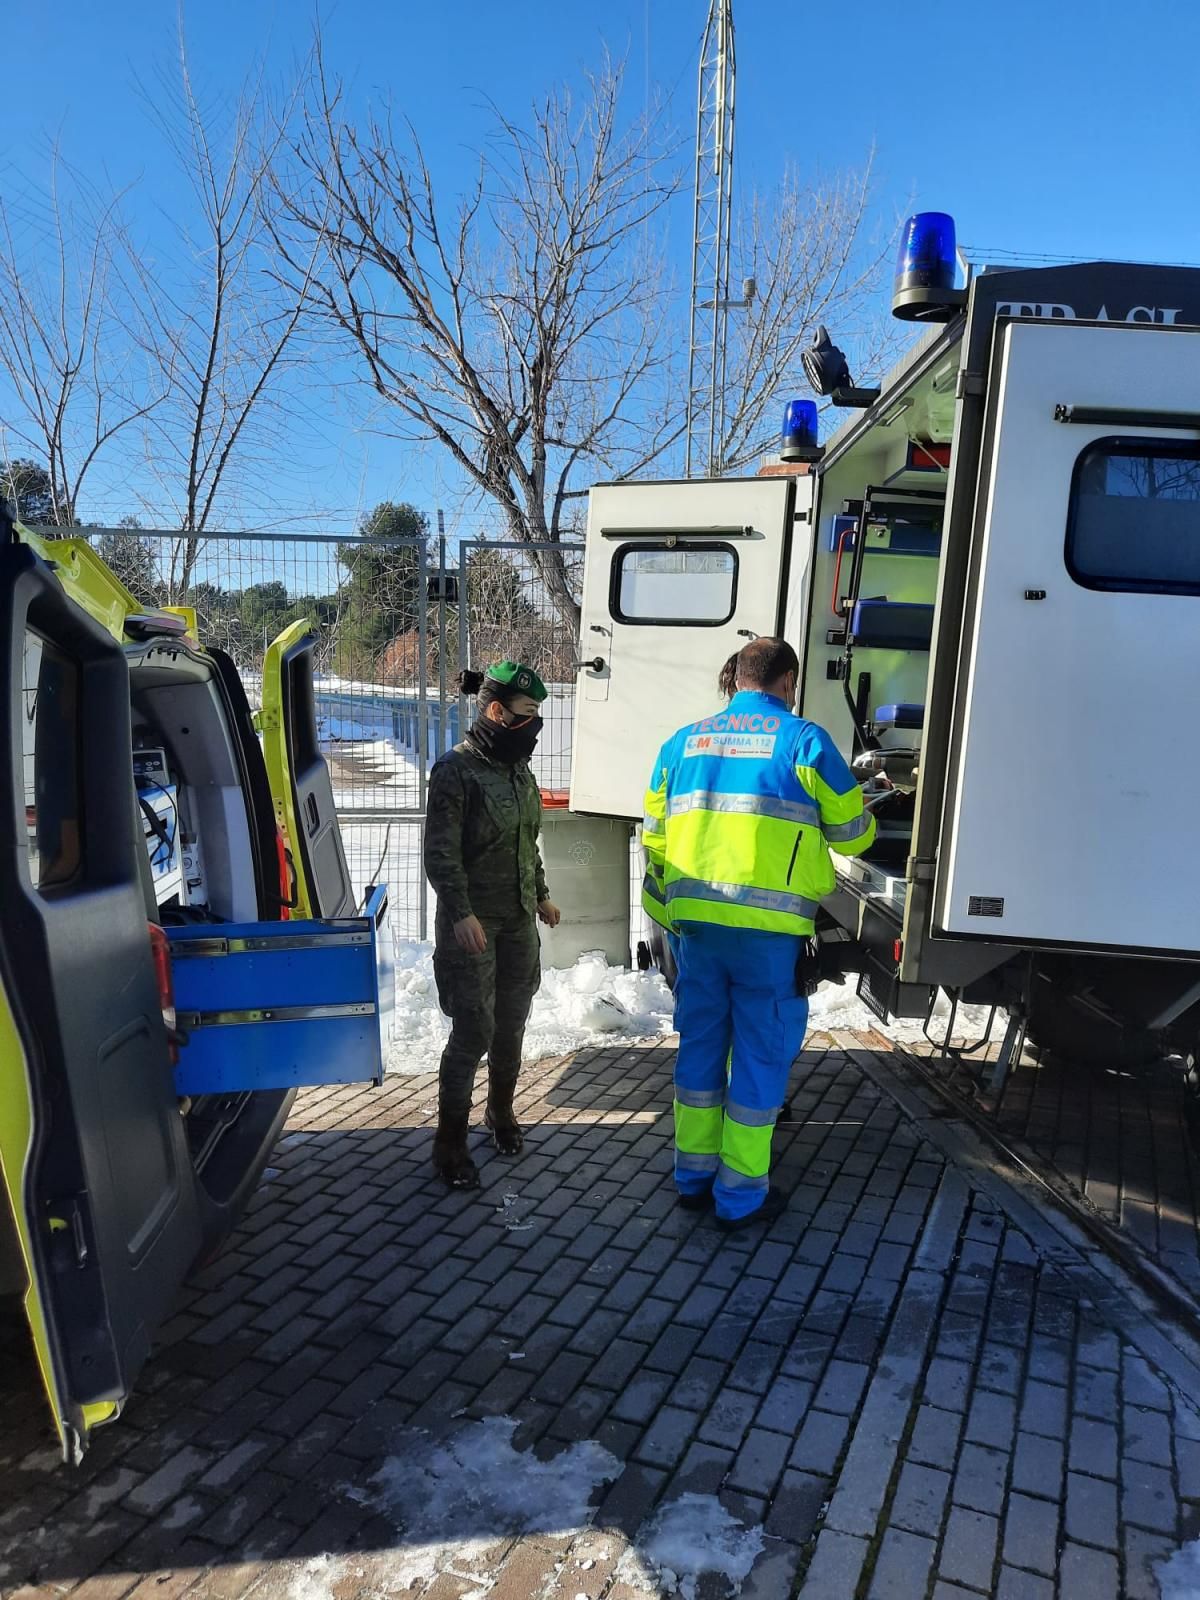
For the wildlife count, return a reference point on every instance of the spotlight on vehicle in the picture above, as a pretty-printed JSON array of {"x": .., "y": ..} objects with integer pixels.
[{"x": 828, "y": 372}]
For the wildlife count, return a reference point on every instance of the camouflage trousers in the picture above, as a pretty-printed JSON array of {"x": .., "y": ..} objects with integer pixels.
[{"x": 487, "y": 999}]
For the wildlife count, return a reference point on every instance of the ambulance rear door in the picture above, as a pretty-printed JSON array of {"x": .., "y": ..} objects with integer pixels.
[
  {"x": 1074, "y": 759},
  {"x": 677, "y": 577},
  {"x": 92, "y": 1148}
]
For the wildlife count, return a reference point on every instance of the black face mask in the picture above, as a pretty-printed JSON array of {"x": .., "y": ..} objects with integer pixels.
[{"x": 505, "y": 744}]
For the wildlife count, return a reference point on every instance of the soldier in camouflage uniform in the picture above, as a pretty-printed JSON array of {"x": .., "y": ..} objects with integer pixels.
[{"x": 481, "y": 856}]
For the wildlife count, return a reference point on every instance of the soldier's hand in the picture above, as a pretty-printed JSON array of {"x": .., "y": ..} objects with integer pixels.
[
  {"x": 470, "y": 936},
  {"x": 549, "y": 913}
]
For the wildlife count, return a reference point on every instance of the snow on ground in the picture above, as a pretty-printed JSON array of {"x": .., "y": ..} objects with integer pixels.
[
  {"x": 591, "y": 1002},
  {"x": 453, "y": 1500},
  {"x": 594, "y": 1003},
  {"x": 687, "y": 1538},
  {"x": 456, "y": 1500},
  {"x": 1179, "y": 1576}
]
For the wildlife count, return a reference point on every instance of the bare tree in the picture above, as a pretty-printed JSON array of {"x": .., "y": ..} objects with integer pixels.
[
  {"x": 64, "y": 355},
  {"x": 222, "y": 323},
  {"x": 810, "y": 249},
  {"x": 520, "y": 330}
]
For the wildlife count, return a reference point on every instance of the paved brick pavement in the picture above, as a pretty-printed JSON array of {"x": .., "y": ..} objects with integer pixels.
[
  {"x": 918, "y": 1383},
  {"x": 1124, "y": 1143}
]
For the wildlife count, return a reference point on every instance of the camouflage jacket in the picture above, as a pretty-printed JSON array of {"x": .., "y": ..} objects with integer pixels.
[{"x": 481, "y": 833}]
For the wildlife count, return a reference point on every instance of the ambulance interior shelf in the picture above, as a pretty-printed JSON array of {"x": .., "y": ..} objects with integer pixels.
[
  {"x": 895, "y": 522},
  {"x": 889, "y": 522}
]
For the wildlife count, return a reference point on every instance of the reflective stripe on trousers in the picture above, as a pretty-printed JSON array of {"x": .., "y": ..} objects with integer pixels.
[{"x": 741, "y": 1025}]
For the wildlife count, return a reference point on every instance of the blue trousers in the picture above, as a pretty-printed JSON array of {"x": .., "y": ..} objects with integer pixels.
[{"x": 741, "y": 1026}]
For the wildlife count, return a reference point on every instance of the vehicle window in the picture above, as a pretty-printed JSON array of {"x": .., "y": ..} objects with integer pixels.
[
  {"x": 50, "y": 765},
  {"x": 690, "y": 584},
  {"x": 1134, "y": 520}
]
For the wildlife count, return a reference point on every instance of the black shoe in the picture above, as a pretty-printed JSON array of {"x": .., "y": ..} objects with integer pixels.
[
  {"x": 695, "y": 1202},
  {"x": 451, "y": 1160},
  {"x": 786, "y": 1113},
  {"x": 506, "y": 1133},
  {"x": 773, "y": 1206}
]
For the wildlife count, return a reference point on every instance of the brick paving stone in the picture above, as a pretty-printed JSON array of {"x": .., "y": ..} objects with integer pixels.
[
  {"x": 1088, "y": 1575},
  {"x": 666, "y": 1439},
  {"x": 703, "y": 1469},
  {"x": 835, "y": 1568},
  {"x": 1091, "y": 1510},
  {"x": 820, "y": 1442},
  {"x": 920, "y": 1498},
  {"x": 1037, "y": 1467},
  {"x": 1094, "y": 1447},
  {"x": 1095, "y": 1393},
  {"x": 641, "y": 1397},
  {"x": 1143, "y": 1553},
  {"x": 948, "y": 1383},
  {"x": 760, "y": 1462},
  {"x": 1044, "y": 1409},
  {"x": 980, "y": 1479},
  {"x": 1031, "y": 1534},
  {"x": 728, "y": 1418},
  {"x": 1146, "y": 1435},
  {"x": 1148, "y": 1497},
  {"x": 968, "y": 1553},
  {"x": 796, "y": 1507},
  {"x": 991, "y": 1420},
  {"x": 935, "y": 1435},
  {"x": 842, "y": 1388},
  {"x": 902, "y": 1566}
]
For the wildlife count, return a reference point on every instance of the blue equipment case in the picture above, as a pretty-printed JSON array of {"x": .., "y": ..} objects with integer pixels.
[{"x": 281, "y": 1005}]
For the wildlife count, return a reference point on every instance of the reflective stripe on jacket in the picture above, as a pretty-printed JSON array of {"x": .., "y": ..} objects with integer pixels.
[{"x": 741, "y": 813}]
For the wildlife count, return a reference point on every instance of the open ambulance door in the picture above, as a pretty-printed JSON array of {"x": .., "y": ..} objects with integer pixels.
[
  {"x": 300, "y": 781},
  {"x": 1074, "y": 760},
  {"x": 92, "y": 1146},
  {"x": 677, "y": 577}
]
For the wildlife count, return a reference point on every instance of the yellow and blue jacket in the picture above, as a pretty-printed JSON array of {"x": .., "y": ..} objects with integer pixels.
[{"x": 742, "y": 811}]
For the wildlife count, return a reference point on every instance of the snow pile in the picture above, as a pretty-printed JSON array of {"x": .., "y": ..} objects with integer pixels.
[
  {"x": 837, "y": 1007},
  {"x": 589, "y": 1002},
  {"x": 688, "y": 1538},
  {"x": 1179, "y": 1576},
  {"x": 453, "y": 1500}
]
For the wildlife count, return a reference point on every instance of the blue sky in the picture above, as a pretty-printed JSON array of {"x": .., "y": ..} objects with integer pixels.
[{"x": 1065, "y": 129}]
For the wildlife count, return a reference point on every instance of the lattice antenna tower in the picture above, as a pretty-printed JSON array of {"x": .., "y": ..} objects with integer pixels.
[{"x": 710, "y": 244}]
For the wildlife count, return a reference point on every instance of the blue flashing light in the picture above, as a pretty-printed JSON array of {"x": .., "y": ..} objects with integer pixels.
[
  {"x": 927, "y": 257},
  {"x": 800, "y": 427}
]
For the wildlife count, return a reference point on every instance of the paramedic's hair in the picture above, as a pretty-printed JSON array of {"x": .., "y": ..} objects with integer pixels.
[
  {"x": 727, "y": 677},
  {"x": 764, "y": 662}
]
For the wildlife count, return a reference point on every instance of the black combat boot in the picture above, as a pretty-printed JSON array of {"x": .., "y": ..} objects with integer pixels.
[
  {"x": 451, "y": 1160},
  {"x": 499, "y": 1117}
]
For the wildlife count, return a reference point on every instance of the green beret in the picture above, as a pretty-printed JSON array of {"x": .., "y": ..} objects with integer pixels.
[{"x": 511, "y": 675}]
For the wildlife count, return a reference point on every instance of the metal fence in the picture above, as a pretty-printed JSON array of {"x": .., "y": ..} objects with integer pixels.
[{"x": 395, "y": 620}]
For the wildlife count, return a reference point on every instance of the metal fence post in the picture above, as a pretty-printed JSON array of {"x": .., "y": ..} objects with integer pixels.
[{"x": 422, "y": 728}]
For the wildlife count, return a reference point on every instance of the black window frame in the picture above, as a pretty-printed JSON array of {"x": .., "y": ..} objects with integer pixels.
[
  {"x": 1124, "y": 445},
  {"x": 673, "y": 547}
]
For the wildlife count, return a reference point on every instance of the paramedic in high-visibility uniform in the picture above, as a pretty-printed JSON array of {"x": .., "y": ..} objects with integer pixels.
[{"x": 742, "y": 811}]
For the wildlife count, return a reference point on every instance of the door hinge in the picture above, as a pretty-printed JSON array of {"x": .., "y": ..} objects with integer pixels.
[
  {"x": 66, "y": 1216},
  {"x": 969, "y": 384}
]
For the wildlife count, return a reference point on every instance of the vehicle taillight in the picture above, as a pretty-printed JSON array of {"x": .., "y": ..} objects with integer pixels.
[
  {"x": 285, "y": 878},
  {"x": 160, "y": 950}
]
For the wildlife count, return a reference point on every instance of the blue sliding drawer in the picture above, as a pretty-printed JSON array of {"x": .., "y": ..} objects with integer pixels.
[{"x": 279, "y": 1005}]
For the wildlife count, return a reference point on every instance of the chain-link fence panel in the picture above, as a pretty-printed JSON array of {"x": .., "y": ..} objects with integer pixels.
[
  {"x": 394, "y": 620},
  {"x": 521, "y": 602}
]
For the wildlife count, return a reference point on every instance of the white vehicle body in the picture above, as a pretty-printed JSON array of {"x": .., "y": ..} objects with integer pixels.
[{"x": 1019, "y": 632}]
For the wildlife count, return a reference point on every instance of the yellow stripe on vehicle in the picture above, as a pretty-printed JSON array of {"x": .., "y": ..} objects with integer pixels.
[{"x": 16, "y": 1142}]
